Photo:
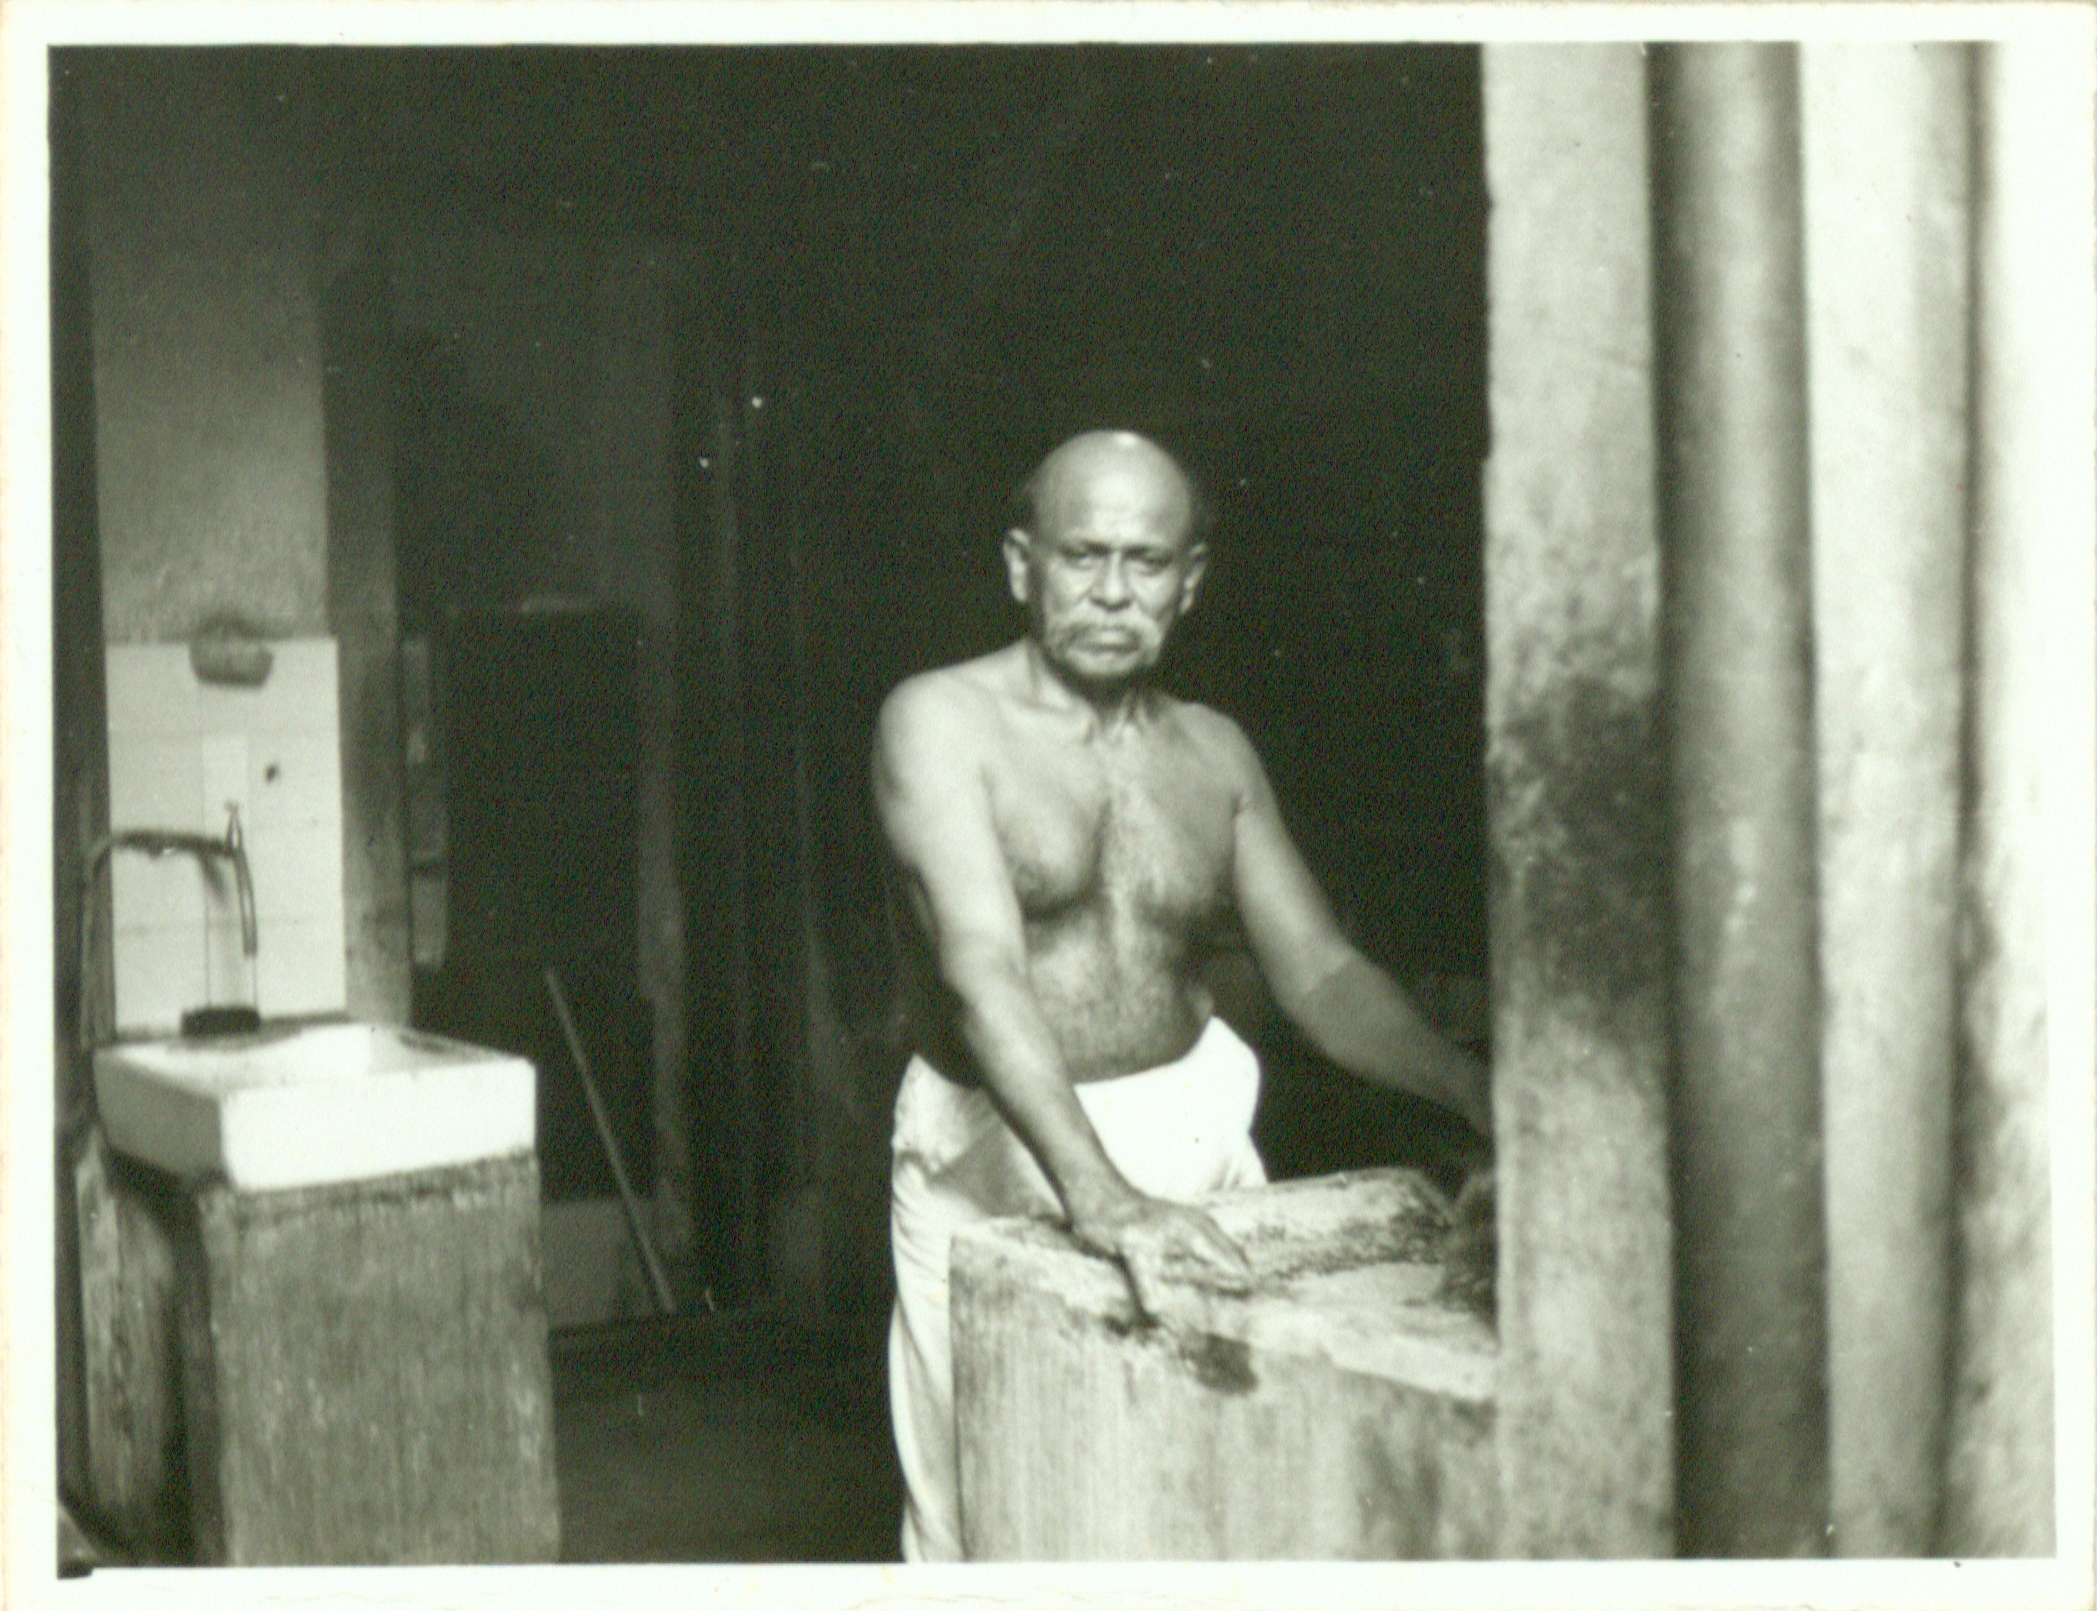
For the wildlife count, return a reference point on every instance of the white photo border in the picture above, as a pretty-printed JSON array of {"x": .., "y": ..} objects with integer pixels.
[{"x": 28, "y": 1574}]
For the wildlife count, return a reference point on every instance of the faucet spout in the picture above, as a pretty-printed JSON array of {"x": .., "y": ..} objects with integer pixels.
[
  {"x": 235, "y": 850},
  {"x": 158, "y": 842}
]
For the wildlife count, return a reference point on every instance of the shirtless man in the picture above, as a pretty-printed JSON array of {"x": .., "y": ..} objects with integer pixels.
[{"x": 1069, "y": 845}]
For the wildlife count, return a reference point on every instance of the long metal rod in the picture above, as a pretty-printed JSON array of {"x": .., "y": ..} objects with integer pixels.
[{"x": 634, "y": 1223}]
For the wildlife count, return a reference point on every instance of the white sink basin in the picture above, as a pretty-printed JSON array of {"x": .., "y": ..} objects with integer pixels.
[{"x": 309, "y": 1104}]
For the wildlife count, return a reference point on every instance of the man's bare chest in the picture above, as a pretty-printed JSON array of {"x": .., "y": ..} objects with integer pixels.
[{"x": 1139, "y": 835}]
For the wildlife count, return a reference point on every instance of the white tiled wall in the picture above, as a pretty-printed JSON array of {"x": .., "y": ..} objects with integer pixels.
[{"x": 179, "y": 752}]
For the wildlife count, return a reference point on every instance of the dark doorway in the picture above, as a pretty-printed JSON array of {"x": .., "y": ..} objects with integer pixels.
[{"x": 929, "y": 266}]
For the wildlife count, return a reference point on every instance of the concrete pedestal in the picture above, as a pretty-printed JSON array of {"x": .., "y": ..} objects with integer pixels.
[
  {"x": 365, "y": 1371},
  {"x": 1341, "y": 1410}
]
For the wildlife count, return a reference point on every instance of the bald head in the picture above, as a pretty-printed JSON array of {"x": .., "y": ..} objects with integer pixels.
[
  {"x": 1118, "y": 467},
  {"x": 1107, "y": 558}
]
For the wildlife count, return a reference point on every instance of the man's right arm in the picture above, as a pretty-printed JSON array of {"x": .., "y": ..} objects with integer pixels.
[{"x": 934, "y": 806}]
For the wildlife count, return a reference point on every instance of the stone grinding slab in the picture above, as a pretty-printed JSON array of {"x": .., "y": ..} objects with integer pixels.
[{"x": 1340, "y": 1409}]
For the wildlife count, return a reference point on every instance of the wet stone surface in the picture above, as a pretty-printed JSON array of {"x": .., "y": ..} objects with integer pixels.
[{"x": 1280, "y": 1255}]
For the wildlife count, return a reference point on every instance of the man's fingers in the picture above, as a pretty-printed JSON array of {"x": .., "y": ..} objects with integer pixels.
[
  {"x": 1165, "y": 1245},
  {"x": 1143, "y": 1280},
  {"x": 1181, "y": 1306},
  {"x": 1218, "y": 1261},
  {"x": 1224, "y": 1258}
]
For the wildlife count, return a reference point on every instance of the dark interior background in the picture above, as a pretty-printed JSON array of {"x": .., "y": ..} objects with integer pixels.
[{"x": 936, "y": 265}]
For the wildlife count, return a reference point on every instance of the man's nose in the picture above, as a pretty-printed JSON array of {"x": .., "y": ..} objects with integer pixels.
[{"x": 1112, "y": 588}]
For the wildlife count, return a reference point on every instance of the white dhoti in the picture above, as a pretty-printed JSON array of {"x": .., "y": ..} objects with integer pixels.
[{"x": 1178, "y": 1132}]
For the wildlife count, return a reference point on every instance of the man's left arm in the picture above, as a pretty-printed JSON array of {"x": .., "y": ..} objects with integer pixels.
[{"x": 1353, "y": 1011}]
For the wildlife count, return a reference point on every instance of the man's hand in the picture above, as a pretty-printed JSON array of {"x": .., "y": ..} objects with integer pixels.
[
  {"x": 1470, "y": 1251},
  {"x": 1159, "y": 1245}
]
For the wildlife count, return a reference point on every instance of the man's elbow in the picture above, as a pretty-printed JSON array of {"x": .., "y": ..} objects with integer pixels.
[
  {"x": 980, "y": 975},
  {"x": 1302, "y": 988}
]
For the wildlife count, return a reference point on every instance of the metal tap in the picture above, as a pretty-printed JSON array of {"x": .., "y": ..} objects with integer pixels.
[{"x": 157, "y": 842}]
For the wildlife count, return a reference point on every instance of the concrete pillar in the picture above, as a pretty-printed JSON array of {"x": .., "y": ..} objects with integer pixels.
[
  {"x": 1751, "y": 1272},
  {"x": 2032, "y": 517},
  {"x": 1576, "y": 803},
  {"x": 1885, "y": 136}
]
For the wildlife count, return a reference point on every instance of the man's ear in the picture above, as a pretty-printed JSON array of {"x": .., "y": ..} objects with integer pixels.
[
  {"x": 1197, "y": 568},
  {"x": 1018, "y": 548}
]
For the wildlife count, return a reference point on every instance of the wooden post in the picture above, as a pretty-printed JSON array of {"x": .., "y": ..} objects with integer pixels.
[
  {"x": 1576, "y": 811},
  {"x": 713, "y": 846},
  {"x": 363, "y": 617}
]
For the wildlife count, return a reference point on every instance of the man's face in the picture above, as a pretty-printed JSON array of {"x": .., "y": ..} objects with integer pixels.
[{"x": 1109, "y": 570}]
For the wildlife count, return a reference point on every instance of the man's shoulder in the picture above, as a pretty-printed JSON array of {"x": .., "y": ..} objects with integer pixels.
[
  {"x": 1218, "y": 737},
  {"x": 946, "y": 707},
  {"x": 941, "y": 694}
]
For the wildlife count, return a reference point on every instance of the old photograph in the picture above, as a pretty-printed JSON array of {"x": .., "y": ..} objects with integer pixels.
[{"x": 974, "y": 791}]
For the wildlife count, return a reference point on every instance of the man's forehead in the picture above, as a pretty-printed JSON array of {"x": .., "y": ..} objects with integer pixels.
[{"x": 1116, "y": 471}]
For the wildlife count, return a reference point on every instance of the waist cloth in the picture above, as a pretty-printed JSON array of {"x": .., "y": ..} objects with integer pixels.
[{"x": 1179, "y": 1131}]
